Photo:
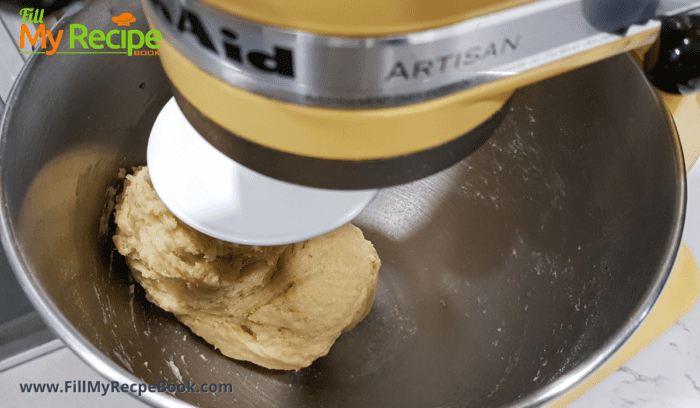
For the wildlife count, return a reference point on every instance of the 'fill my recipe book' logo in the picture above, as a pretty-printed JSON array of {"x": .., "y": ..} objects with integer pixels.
[{"x": 84, "y": 41}]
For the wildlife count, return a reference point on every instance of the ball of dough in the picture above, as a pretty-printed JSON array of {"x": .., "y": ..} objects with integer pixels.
[{"x": 280, "y": 307}]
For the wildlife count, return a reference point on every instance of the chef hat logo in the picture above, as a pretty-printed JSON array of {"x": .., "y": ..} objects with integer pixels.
[{"x": 124, "y": 19}]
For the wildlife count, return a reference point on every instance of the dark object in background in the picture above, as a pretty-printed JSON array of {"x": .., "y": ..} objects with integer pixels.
[
  {"x": 673, "y": 62},
  {"x": 616, "y": 16}
]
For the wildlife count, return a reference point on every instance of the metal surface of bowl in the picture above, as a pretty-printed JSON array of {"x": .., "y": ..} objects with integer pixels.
[{"x": 506, "y": 279}]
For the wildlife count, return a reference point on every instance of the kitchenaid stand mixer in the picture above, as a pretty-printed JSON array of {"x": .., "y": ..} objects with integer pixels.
[
  {"x": 589, "y": 267},
  {"x": 362, "y": 95}
]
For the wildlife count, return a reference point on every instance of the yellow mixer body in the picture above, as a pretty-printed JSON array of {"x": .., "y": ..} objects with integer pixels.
[{"x": 295, "y": 137}]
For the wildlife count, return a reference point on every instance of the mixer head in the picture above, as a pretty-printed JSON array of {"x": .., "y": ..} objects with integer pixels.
[{"x": 352, "y": 95}]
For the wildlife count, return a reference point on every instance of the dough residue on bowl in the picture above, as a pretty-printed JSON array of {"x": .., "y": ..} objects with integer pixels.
[{"x": 280, "y": 307}]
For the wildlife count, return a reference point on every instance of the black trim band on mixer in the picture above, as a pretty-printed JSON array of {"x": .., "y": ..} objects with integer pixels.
[{"x": 339, "y": 174}]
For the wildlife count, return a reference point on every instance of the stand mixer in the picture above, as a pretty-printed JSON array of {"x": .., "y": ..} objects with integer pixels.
[
  {"x": 507, "y": 279},
  {"x": 360, "y": 96}
]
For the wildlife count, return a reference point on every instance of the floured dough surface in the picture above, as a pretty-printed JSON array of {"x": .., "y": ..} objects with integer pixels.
[{"x": 280, "y": 307}]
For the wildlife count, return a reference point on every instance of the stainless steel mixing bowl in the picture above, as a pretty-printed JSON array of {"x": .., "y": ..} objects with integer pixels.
[{"x": 506, "y": 279}]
